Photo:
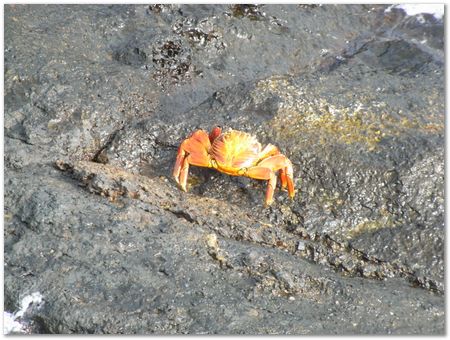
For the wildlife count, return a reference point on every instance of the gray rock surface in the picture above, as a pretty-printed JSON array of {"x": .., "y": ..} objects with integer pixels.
[{"x": 98, "y": 99}]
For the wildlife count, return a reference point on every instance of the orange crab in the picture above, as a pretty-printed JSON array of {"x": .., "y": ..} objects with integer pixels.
[{"x": 234, "y": 153}]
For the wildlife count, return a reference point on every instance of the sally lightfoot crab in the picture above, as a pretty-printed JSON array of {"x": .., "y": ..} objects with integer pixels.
[{"x": 234, "y": 153}]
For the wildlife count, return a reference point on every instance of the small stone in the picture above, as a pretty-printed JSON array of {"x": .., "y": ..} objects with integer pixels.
[{"x": 301, "y": 246}]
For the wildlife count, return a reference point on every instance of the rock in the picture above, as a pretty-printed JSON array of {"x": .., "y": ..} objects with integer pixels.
[{"x": 95, "y": 223}]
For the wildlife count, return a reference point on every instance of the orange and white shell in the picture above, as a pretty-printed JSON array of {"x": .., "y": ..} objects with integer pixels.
[{"x": 235, "y": 149}]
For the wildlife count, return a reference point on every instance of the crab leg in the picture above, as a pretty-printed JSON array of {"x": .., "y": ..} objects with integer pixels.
[
  {"x": 181, "y": 155},
  {"x": 197, "y": 159},
  {"x": 182, "y": 179},
  {"x": 193, "y": 150},
  {"x": 282, "y": 163},
  {"x": 259, "y": 172},
  {"x": 283, "y": 178},
  {"x": 272, "y": 150}
]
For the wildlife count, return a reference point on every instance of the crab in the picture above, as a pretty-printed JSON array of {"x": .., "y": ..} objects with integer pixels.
[{"x": 235, "y": 153}]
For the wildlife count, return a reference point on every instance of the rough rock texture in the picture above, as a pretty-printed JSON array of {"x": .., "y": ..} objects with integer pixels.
[{"x": 97, "y": 100}]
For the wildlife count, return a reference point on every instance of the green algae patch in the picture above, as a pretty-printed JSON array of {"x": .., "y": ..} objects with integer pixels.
[
  {"x": 385, "y": 220},
  {"x": 303, "y": 114}
]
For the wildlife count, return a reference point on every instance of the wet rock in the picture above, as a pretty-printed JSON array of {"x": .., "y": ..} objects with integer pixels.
[
  {"x": 248, "y": 11},
  {"x": 96, "y": 224}
]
